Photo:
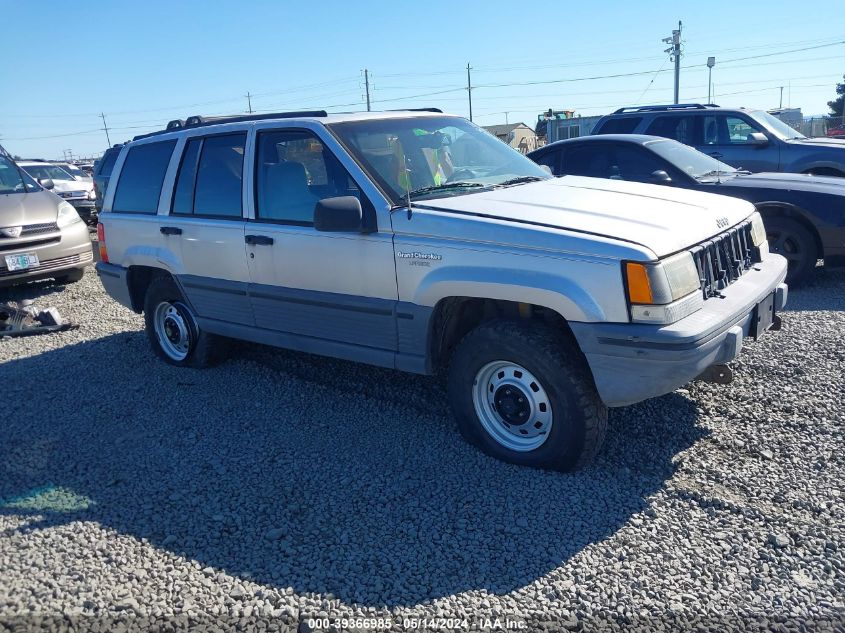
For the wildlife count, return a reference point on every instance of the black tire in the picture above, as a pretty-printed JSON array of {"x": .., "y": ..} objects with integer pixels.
[
  {"x": 579, "y": 417},
  {"x": 71, "y": 276},
  {"x": 794, "y": 241},
  {"x": 202, "y": 349}
]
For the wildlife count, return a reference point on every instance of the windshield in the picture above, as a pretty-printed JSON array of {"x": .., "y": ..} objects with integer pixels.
[
  {"x": 11, "y": 180},
  {"x": 41, "y": 172},
  {"x": 689, "y": 160},
  {"x": 777, "y": 127},
  {"x": 73, "y": 170},
  {"x": 433, "y": 157}
]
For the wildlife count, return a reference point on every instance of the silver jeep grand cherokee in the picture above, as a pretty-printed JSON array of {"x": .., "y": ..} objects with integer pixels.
[
  {"x": 41, "y": 235},
  {"x": 418, "y": 241}
]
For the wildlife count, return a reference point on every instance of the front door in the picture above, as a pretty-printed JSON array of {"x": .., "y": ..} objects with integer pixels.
[
  {"x": 726, "y": 137},
  {"x": 332, "y": 293}
]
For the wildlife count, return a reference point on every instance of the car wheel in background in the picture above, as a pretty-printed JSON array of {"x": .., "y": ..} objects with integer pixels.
[
  {"x": 172, "y": 329},
  {"x": 522, "y": 393},
  {"x": 795, "y": 242}
]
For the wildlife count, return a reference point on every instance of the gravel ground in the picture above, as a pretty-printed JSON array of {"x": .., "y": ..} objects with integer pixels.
[{"x": 279, "y": 486}]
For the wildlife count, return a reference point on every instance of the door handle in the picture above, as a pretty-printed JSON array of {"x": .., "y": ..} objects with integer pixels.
[
  {"x": 716, "y": 154},
  {"x": 170, "y": 230},
  {"x": 258, "y": 239}
]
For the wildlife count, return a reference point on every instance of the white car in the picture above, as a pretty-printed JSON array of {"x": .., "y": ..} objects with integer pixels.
[
  {"x": 418, "y": 241},
  {"x": 80, "y": 193}
]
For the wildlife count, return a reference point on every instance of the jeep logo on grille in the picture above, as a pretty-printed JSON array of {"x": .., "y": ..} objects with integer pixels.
[
  {"x": 721, "y": 222},
  {"x": 11, "y": 231}
]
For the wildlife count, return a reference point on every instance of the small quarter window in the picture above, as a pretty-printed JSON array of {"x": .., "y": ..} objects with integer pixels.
[{"x": 141, "y": 178}]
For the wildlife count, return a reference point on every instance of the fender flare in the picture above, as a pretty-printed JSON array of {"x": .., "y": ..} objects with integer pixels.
[{"x": 555, "y": 292}]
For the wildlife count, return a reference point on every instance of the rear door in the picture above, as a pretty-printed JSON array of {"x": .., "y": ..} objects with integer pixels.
[
  {"x": 331, "y": 293},
  {"x": 204, "y": 224}
]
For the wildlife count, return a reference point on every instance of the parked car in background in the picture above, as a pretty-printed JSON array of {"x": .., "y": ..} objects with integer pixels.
[
  {"x": 102, "y": 173},
  {"x": 73, "y": 170},
  {"x": 88, "y": 168},
  {"x": 40, "y": 235},
  {"x": 837, "y": 132},
  {"x": 753, "y": 140},
  {"x": 418, "y": 241},
  {"x": 804, "y": 214},
  {"x": 79, "y": 193}
]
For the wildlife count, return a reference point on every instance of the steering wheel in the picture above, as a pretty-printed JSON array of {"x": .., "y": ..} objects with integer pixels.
[{"x": 461, "y": 174}]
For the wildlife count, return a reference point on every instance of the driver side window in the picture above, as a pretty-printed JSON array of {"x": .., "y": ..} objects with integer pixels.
[{"x": 294, "y": 171}]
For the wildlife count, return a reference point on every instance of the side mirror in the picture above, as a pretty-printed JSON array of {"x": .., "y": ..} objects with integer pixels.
[
  {"x": 47, "y": 183},
  {"x": 338, "y": 215},
  {"x": 757, "y": 138},
  {"x": 660, "y": 177},
  {"x": 547, "y": 169}
]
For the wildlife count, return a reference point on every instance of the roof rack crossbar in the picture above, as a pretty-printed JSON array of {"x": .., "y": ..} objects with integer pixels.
[{"x": 670, "y": 106}]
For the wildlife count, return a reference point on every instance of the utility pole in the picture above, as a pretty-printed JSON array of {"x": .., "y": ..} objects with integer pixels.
[
  {"x": 105, "y": 127},
  {"x": 506, "y": 117},
  {"x": 781, "y": 97},
  {"x": 711, "y": 61},
  {"x": 249, "y": 102},
  {"x": 367, "y": 87},
  {"x": 675, "y": 55},
  {"x": 469, "y": 90}
]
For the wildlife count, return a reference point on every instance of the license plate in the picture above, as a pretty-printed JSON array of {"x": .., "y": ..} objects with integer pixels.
[
  {"x": 763, "y": 317},
  {"x": 21, "y": 262}
]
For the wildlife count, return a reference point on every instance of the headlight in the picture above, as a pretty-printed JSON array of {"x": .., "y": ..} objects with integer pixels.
[
  {"x": 67, "y": 215},
  {"x": 663, "y": 292},
  {"x": 758, "y": 230}
]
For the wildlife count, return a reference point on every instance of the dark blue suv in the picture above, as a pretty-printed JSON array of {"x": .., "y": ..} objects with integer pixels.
[{"x": 746, "y": 139}]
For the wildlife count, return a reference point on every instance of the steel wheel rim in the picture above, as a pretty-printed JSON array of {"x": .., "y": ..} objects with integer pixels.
[
  {"x": 512, "y": 406},
  {"x": 784, "y": 244},
  {"x": 172, "y": 330}
]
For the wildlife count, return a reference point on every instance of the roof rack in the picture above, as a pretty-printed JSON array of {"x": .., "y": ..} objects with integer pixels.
[
  {"x": 670, "y": 106},
  {"x": 202, "y": 121}
]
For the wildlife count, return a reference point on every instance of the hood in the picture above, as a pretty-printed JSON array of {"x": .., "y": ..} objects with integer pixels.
[
  {"x": 791, "y": 182},
  {"x": 825, "y": 141},
  {"x": 72, "y": 185},
  {"x": 19, "y": 209},
  {"x": 663, "y": 219}
]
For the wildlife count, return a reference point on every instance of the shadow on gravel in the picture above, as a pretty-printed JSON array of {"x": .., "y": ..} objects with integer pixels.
[
  {"x": 297, "y": 471},
  {"x": 823, "y": 290}
]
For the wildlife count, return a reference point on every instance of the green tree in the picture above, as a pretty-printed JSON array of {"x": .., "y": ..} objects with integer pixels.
[{"x": 836, "y": 106}]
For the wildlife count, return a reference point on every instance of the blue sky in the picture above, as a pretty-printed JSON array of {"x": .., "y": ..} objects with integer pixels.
[{"x": 143, "y": 63}]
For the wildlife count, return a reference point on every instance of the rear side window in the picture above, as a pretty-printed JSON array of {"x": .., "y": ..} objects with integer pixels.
[
  {"x": 108, "y": 161},
  {"x": 623, "y": 125},
  {"x": 211, "y": 176},
  {"x": 680, "y": 128},
  {"x": 140, "y": 180}
]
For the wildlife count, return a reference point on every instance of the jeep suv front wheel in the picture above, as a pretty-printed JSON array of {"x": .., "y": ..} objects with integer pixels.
[
  {"x": 172, "y": 329},
  {"x": 522, "y": 393}
]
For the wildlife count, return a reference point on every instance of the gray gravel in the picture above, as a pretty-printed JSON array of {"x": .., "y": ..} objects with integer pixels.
[{"x": 279, "y": 486}]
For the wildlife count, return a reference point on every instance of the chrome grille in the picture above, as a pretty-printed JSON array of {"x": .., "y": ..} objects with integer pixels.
[
  {"x": 723, "y": 259},
  {"x": 38, "y": 229}
]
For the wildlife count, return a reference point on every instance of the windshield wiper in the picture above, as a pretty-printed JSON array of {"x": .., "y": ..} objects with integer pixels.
[
  {"x": 717, "y": 173},
  {"x": 520, "y": 180},
  {"x": 445, "y": 187}
]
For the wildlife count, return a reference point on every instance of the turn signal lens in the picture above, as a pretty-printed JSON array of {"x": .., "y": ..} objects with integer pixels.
[
  {"x": 639, "y": 287},
  {"x": 101, "y": 241}
]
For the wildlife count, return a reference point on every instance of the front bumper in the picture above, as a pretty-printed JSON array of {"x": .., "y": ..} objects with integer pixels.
[
  {"x": 69, "y": 249},
  {"x": 633, "y": 362}
]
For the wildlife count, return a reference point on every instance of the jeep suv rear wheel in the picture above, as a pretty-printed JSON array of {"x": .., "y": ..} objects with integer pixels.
[
  {"x": 523, "y": 394},
  {"x": 172, "y": 329}
]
